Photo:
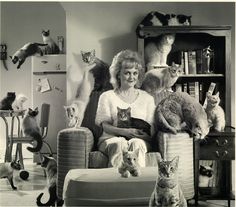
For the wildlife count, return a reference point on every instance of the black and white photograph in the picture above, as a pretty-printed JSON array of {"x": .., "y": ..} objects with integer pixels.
[{"x": 117, "y": 103}]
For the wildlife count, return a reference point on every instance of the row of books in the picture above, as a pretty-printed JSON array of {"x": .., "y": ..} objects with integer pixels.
[
  {"x": 196, "y": 90},
  {"x": 193, "y": 61}
]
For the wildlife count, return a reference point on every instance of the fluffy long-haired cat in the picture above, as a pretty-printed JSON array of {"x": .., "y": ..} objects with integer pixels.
[
  {"x": 179, "y": 111},
  {"x": 156, "y": 51},
  {"x": 27, "y": 50},
  {"x": 129, "y": 165},
  {"x": 156, "y": 18},
  {"x": 50, "y": 165},
  {"x": 125, "y": 120},
  {"x": 167, "y": 191},
  {"x": 215, "y": 113},
  {"x": 31, "y": 128},
  {"x": 157, "y": 80},
  {"x": 52, "y": 47},
  {"x": 7, "y": 169},
  {"x": 18, "y": 104},
  {"x": 6, "y": 102},
  {"x": 205, "y": 175}
]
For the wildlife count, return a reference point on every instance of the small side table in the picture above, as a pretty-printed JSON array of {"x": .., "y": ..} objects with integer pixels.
[
  {"x": 219, "y": 146},
  {"x": 5, "y": 114}
]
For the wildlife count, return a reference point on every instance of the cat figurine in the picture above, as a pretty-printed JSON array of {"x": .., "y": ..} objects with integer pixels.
[
  {"x": 6, "y": 102},
  {"x": 157, "y": 80},
  {"x": 179, "y": 111},
  {"x": 7, "y": 169},
  {"x": 124, "y": 120},
  {"x": 129, "y": 165},
  {"x": 156, "y": 18},
  {"x": 215, "y": 114},
  {"x": 18, "y": 104},
  {"x": 52, "y": 47},
  {"x": 167, "y": 191},
  {"x": 50, "y": 166},
  {"x": 205, "y": 175},
  {"x": 27, "y": 50},
  {"x": 156, "y": 51},
  {"x": 31, "y": 128}
]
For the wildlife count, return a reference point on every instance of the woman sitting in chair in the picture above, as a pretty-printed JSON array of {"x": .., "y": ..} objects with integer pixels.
[{"x": 126, "y": 72}]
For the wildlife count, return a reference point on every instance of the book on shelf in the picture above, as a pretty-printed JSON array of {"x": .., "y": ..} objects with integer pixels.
[
  {"x": 199, "y": 61},
  {"x": 210, "y": 90},
  {"x": 192, "y": 65},
  {"x": 201, "y": 93},
  {"x": 178, "y": 87},
  {"x": 193, "y": 88},
  {"x": 186, "y": 71},
  {"x": 185, "y": 87}
]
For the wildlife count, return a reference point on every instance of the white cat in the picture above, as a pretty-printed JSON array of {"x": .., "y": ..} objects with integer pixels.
[
  {"x": 156, "y": 52},
  {"x": 18, "y": 104}
]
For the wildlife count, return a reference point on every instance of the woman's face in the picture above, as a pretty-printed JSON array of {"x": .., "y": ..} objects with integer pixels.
[{"x": 128, "y": 77}]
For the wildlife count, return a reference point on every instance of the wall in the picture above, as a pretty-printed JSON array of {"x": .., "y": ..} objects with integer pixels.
[
  {"x": 109, "y": 27},
  {"x": 22, "y": 22}
]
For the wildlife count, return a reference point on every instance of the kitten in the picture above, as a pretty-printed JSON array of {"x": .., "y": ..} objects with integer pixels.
[
  {"x": 124, "y": 120},
  {"x": 167, "y": 191},
  {"x": 130, "y": 165},
  {"x": 156, "y": 18},
  {"x": 156, "y": 51},
  {"x": 215, "y": 114},
  {"x": 179, "y": 111},
  {"x": 27, "y": 50},
  {"x": 88, "y": 56},
  {"x": 31, "y": 128},
  {"x": 50, "y": 165},
  {"x": 205, "y": 175},
  {"x": 52, "y": 47},
  {"x": 6, "y": 171},
  {"x": 19, "y": 101},
  {"x": 161, "y": 79},
  {"x": 6, "y": 102}
]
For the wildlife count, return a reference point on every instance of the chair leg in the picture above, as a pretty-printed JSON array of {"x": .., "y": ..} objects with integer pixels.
[
  {"x": 49, "y": 147},
  {"x": 19, "y": 154}
]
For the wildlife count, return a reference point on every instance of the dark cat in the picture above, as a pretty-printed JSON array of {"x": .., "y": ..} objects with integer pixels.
[
  {"x": 124, "y": 120},
  {"x": 27, "y": 50},
  {"x": 31, "y": 128},
  {"x": 155, "y": 18},
  {"x": 50, "y": 166},
  {"x": 6, "y": 171},
  {"x": 6, "y": 103},
  {"x": 100, "y": 71},
  {"x": 205, "y": 175},
  {"x": 52, "y": 47}
]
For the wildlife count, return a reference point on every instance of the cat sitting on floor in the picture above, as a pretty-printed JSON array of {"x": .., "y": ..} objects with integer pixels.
[
  {"x": 205, "y": 175},
  {"x": 7, "y": 169},
  {"x": 181, "y": 112},
  {"x": 50, "y": 165},
  {"x": 6, "y": 102},
  {"x": 130, "y": 165},
  {"x": 52, "y": 47},
  {"x": 18, "y": 104},
  {"x": 215, "y": 113},
  {"x": 27, "y": 50},
  {"x": 167, "y": 191},
  {"x": 157, "y": 50},
  {"x": 156, "y": 18},
  {"x": 125, "y": 120}
]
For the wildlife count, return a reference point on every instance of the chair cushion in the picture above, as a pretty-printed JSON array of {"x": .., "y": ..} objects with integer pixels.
[{"x": 102, "y": 187}]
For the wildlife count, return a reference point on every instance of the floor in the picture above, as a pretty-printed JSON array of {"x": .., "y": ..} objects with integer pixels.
[{"x": 28, "y": 190}]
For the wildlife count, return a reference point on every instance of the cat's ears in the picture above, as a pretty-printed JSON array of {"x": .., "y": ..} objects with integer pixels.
[
  {"x": 36, "y": 109},
  {"x": 208, "y": 94},
  {"x": 175, "y": 161}
]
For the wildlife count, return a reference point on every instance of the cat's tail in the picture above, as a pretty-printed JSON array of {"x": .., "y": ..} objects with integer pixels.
[
  {"x": 52, "y": 198},
  {"x": 38, "y": 138},
  {"x": 41, "y": 44}
]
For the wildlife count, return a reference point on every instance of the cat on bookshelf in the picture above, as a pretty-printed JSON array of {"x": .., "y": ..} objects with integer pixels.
[
  {"x": 215, "y": 113},
  {"x": 156, "y": 51},
  {"x": 156, "y": 18}
]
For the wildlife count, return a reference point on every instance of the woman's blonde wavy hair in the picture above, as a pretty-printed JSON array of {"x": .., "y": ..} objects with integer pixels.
[{"x": 126, "y": 59}]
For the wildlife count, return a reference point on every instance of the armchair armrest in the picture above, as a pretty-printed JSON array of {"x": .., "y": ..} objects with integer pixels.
[{"x": 73, "y": 147}]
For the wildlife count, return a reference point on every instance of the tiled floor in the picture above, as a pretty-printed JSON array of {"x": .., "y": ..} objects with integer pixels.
[{"x": 28, "y": 191}]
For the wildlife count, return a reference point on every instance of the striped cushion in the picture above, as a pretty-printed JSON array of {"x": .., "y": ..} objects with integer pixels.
[{"x": 181, "y": 145}]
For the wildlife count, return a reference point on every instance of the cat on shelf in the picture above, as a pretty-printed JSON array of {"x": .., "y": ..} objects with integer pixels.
[
  {"x": 130, "y": 165},
  {"x": 52, "y": 47},
  {"x": 27, "y": 50},
  {"x": 156, "y": 51},
  {"x": 167, "y": 191},
  {"x": 125, "y": 120},
  {"x": 157, "y": 80},
  {"x": 6, "y": 102},
  {"x": 156, "y": 18},
  {"x": 215, "y": 113},
  {"x": 205, "y": 175}
]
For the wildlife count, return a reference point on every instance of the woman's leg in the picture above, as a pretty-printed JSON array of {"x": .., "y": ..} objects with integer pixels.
[
  {"x": 113, "y": 148},
  {"x": 142, "y": 147}
]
